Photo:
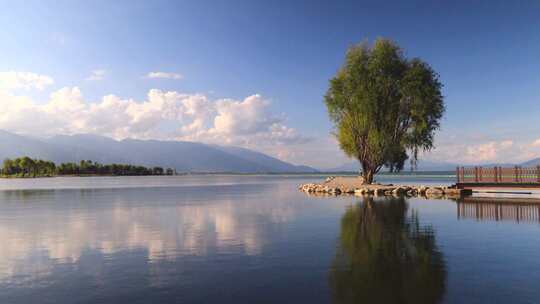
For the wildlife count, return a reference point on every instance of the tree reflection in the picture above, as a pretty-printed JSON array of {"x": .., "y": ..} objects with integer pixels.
[{"x": 386, "y": 256}]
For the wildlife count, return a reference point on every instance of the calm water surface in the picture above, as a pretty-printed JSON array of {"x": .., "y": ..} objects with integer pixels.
[{"x": 257, "y": 239}]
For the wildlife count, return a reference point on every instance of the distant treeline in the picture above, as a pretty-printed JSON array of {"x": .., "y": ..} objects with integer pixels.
[{"x": 28, "y": 167}]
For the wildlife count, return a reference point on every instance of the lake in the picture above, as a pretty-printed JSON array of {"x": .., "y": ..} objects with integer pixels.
[{"x": 257, "y": 239}]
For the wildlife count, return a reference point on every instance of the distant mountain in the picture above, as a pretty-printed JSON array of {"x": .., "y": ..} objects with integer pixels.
[
  {"x": 504, "y": 165},
  {"x": 426, "y": 165},
  {"x": 532, "y": 163},
  {"x": 422, "y": 165},
  {"x": 347, "y": 167},
  {"x": 12, "y": 145},
  {"x": 183, "y": 156},
  {"x": 256, "y": 157}
]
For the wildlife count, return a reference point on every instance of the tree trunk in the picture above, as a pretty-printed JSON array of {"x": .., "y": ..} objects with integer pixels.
[{"x": 367, "y": 174}]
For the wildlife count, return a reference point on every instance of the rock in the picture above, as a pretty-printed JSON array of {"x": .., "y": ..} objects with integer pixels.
[
  {"x": 359, "y": 191},
  {"x": 324, "y": 189},
  {"x": 381, "y": 190},
  {"x": 457, "y": 192},
  {"x": 348, "y": 191},
  {"x": 454, "y": 192},
  {"x": 398, "y": 191},
  {"x": 378, "y": 191},
  {"x": 332, "y": 190},
  {"x": 307, "y": 187},
  {"x": 434, "y": 191}
]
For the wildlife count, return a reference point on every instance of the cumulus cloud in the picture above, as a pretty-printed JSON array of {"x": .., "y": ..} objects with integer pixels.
[
  {"x": 24, "y": 80},
  {"x": 536, "y": 143},
  {"x": 488, "y": 151},
  {"x": 96, "y": 75},
  {"x": 162, "y": 115},
  {"x": 164, "y": 75}
]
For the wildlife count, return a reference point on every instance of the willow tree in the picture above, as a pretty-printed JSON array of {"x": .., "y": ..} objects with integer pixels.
[{"x": 385, "y": 107}]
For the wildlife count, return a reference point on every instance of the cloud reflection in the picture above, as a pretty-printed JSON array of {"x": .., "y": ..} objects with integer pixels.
[{"x": 42, "y": 229}]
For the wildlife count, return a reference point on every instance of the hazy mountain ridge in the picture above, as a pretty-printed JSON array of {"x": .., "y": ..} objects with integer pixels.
[
  {"x": 261, "y": 158},
  {"x": 184, "y": 156},
  {"x": 13, "y": 145},
  {"x": 422, "y": 165},
  {"x": 181, "y": 155},
  {"x": 532, "y": 163},
  {"x": 426, "y": 165}
]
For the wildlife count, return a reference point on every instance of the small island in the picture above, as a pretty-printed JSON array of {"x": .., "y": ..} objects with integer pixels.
[
  {"x": 342, "y": 185},
  {"x": 385, "y": 109},
  {"x": 26, "y": 167}
]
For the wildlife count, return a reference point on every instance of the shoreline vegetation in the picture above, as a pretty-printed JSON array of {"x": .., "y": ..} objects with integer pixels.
[{"x": 26, "y": 167}]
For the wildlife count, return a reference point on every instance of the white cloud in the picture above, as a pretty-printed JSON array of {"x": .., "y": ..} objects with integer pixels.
[
  {"x": 164, "y": 75},
  {"x": 536, "y": 143},
  {"x": 163, "y": 115},
  {"x": 97, "y": 75},
  {"x": 490, "y": 151},
  {"x": 24, "y": 80}
]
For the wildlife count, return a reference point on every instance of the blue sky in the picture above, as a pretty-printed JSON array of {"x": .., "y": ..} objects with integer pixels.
[{"x": 486, "y": 53}]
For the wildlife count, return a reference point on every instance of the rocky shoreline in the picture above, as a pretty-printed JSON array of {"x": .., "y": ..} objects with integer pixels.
[{"x": 341, "y": 185}]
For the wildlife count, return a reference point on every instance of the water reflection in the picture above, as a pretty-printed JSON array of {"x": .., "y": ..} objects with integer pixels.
[
  {"x": 386, "y": 256},
  {"x": 47, "y": 229},
  {"x": 499, "y": 209}
]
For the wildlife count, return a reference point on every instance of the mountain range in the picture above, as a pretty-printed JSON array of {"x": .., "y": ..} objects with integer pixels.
[
  {"x": 180, "y": 155},
  {"x": 427, "y": 165},
  {"x": 422, "y": 165}
]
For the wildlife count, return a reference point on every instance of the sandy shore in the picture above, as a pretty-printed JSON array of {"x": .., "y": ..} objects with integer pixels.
[{"x": 350, "y": 182}]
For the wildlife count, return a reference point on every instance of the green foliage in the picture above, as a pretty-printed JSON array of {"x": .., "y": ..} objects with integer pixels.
[
  {"x": 385, "y": 107},
  {"x": 386, "y": 256},
  {"x": 28, "y": 167}
]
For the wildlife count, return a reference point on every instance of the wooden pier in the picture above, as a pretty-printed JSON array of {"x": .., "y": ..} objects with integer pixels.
[{"x": 498, "y": 178}]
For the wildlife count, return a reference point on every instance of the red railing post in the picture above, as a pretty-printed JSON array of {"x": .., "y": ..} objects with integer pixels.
[
  {"x": 480, "y": 174},
  {"x": 476, "y": 174},
  {"x": 495, "y": 176},
  {"x": 516, "y": 174}
]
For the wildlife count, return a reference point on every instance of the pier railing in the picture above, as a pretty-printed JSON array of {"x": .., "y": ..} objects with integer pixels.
[
  {"x": 498, "y": 175},
  {"x": 499, "y": 209}
]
